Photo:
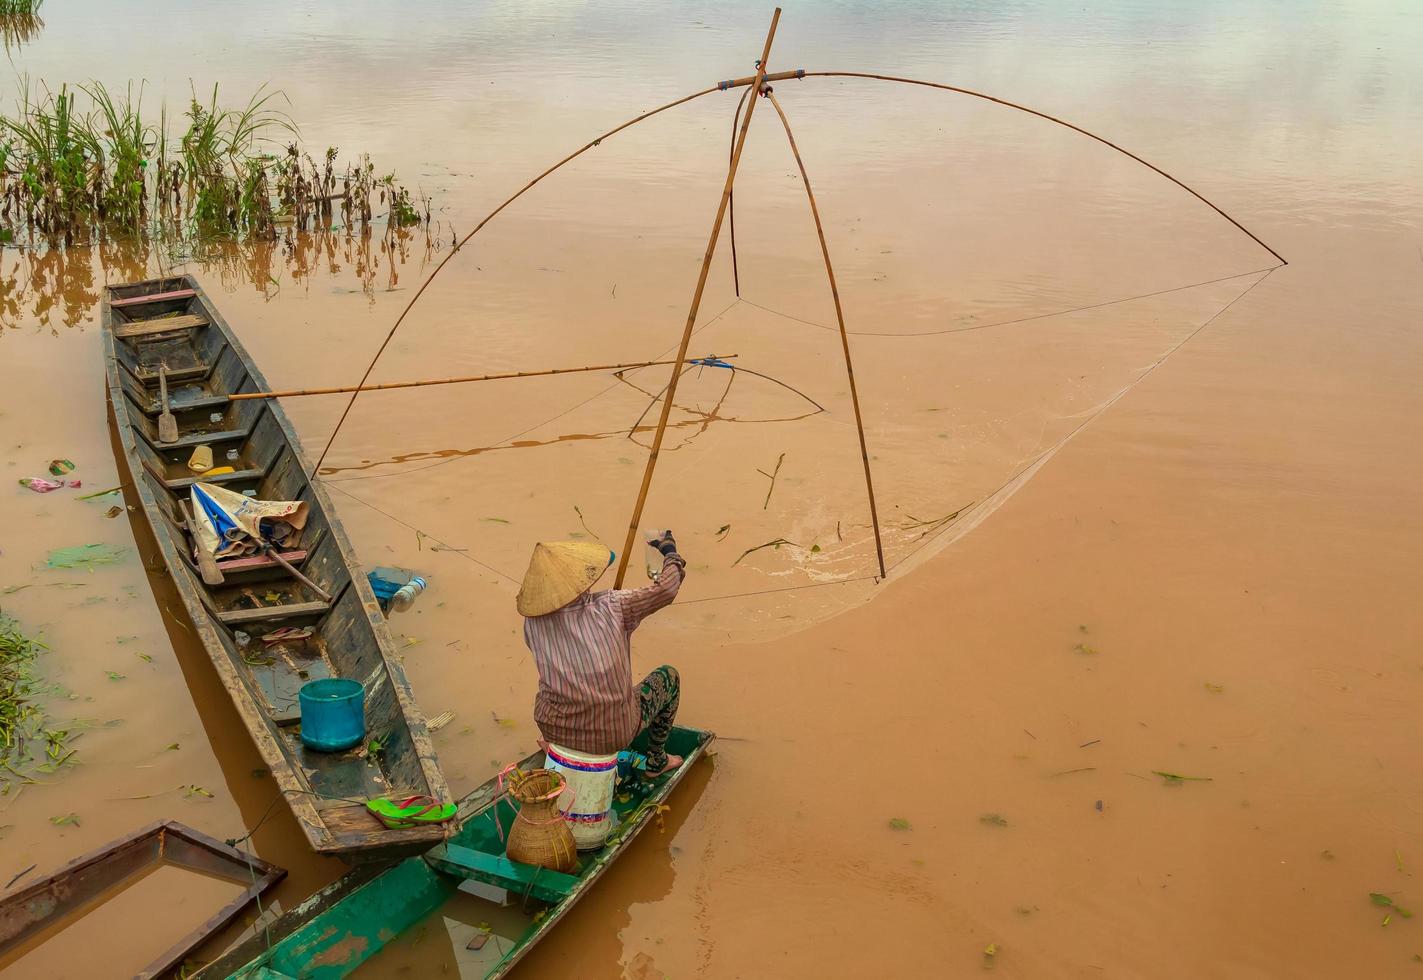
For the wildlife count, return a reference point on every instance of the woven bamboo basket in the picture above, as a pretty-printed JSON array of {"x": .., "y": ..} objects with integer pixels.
[{"x": 540, "y": 836}]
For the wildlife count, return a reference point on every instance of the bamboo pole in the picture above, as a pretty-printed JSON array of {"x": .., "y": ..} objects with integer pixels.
[
  {"x": 844, "y": 334},
  {"x": 696, "y": 305},
  {"x": 298, "y": 393},
  {"x": 731, "y": 200}
]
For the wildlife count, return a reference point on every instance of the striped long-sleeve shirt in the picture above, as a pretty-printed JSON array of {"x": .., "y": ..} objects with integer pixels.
[{"x": 586, "y": 700}]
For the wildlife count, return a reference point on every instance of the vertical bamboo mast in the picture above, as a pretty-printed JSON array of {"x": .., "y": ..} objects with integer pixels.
[
  {"x": 844, "y": 335},
  {"x": 631, "y": 540}
]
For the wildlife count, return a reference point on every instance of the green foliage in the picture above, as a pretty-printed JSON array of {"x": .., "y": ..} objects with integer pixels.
[{"x": 81, "y": 163}]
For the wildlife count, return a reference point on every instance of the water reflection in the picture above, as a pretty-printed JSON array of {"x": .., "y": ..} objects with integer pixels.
[
  {"x": 17, "y": 29},
  {"x": 61, "y": 287}
]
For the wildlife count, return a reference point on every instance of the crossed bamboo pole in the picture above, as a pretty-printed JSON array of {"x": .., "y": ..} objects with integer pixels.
[{"x": 756, "y": 82}]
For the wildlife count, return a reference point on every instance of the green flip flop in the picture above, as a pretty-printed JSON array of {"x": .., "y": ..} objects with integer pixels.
[{"x": 411, "y": 811}]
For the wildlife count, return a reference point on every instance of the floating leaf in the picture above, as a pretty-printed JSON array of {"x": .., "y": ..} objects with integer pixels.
[
  {"x": 114, "y": 675},
  {"x": 994, "y": 819},
  {"x": 1084, "y": 648},
  {"x": 69, "y": 819},
  {"x": 899, "y": 823},
  {"x": 113, "y": 512},
  {"x": 144, "y": 657},
  {"x": 1215, "y": 688},
  {"x": 195, "y": 790},
  {"x": 815, "y": 549},
  {"x": 1378, "y": 898},
  {"x": 172, "y": 748}
]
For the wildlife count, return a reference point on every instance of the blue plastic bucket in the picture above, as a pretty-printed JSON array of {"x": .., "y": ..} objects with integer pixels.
[{"x": 333, "y": 714}]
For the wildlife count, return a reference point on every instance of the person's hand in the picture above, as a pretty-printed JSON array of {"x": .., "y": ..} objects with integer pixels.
[{"x": 664, "y": 542}]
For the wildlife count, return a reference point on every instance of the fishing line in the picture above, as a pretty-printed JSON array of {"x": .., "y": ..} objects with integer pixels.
[
  {"x": 1047, "y": 453},
  {"x": 448, "y": 547},
  {"x": 1006, "y": 323}
]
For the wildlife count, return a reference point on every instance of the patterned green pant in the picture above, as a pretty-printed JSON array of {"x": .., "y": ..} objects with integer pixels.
[{"x": 659, "y": 695}]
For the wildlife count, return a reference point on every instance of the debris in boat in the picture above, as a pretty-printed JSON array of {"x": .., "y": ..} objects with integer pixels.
[
  {"x": 477, "y": 941},
  {"x": 899, "y": 823},
  {"x": 84, "y": 556},
  {"x": 113, "y": 512}
]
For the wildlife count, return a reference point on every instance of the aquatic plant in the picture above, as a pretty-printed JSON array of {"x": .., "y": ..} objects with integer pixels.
[
  {"x": 29, "y": 742},
  {"x": 19, "y": 26},
  {"x": 13, "y": 8},
  {"x": 86, "y": 164}
]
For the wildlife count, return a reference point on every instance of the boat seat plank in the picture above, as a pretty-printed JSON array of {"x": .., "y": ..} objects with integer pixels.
[
  {"x": 237, "y": 617},
  {"x": 153, "y": 298},
  {"x": 179, "y": 404},
  {"x": 198, "y": 370},
  {"x": 199, "y": 439},
  {"x": 251, "y": 562},
  {"x": 146, "y": 328},
  {"x": 496, "y": 869},
  {"x": 183, "y": 483}
]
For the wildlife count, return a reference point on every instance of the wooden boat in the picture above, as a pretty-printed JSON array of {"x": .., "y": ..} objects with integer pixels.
[
  {"x": 171, "y": 324},
  {"x": 38, "y": 912},
  {"x": 512, "y": 908}
]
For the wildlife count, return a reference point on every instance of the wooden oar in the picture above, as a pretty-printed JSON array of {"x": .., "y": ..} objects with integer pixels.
[
  {"x": 249, "y": 395},
  {"x": 207, "y": 564},
  {"x": 272, "y": 553},
  {"x": 167, "y": 423}
]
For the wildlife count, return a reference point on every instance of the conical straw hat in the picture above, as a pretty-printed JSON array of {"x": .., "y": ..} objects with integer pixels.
[{"x": 559, "y": 572}]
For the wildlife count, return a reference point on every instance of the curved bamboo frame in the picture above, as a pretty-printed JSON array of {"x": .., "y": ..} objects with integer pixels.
[{"x": 754, "y": 84}]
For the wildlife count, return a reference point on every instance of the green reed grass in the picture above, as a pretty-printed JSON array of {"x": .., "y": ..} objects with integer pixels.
[
  {"x": 20, "y": 8},
  {"x": 76, "y": 163}
]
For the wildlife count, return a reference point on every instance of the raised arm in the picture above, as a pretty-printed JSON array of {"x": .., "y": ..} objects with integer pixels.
[{"x": 638, "y": 604}]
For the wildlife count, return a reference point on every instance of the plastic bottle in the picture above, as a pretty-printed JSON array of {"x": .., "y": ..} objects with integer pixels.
[
  {"x": 404, "y": 597},
  {"x": 651, "y": 557}
]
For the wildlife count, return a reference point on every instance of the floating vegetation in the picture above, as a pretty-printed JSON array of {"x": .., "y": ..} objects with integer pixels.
[
  {"x": 776, "y": 545},
  {"x": 1384, "y": 901},
  {"x": 899, "y": 823},
  {"x": 772, "y": 477},
  {"x": 993, "y": 820},
  {"x": 1176, "y": 779},
  {"x": 30, "y": 744},
  {"x": 1215, "y": 688},
  {"x": 86, "y": 163},
  {"x": 84, "y": 556}
]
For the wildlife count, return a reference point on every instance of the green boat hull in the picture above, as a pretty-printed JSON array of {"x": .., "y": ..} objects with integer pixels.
[{"x": 335, "y": 931}]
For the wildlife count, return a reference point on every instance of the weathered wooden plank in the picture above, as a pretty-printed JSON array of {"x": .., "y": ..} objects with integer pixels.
[
  {"x": 145, "y": 328},
  {"x": 252, "y": 562},
  {"x": 238, "y": 617},
  {"x": 153, "y": 298},
  {"x": 183, "y": 483}
]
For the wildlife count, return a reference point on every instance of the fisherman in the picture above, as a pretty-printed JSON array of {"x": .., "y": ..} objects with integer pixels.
[{"x": 581, "y": 642}]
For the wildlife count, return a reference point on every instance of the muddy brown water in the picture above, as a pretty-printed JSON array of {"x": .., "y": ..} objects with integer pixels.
[{"x": 1203, "y": 565}]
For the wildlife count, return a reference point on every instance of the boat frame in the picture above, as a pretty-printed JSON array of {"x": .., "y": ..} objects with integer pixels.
[
  {"x": 45, "y": 905},
  {"x": 218, "y": 366}
]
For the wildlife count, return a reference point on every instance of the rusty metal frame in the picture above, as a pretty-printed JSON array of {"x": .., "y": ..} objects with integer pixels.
[{"x": 46, "y": 904}]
